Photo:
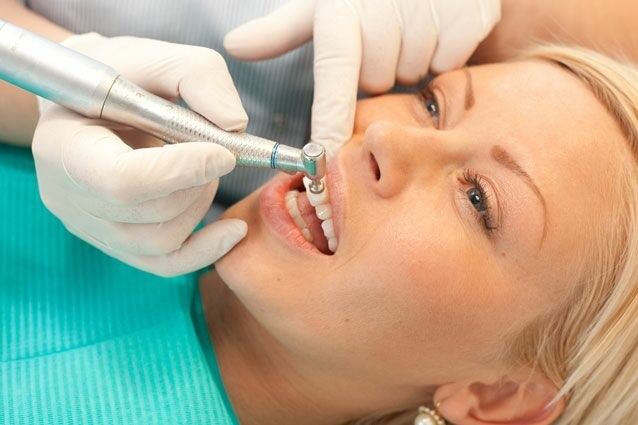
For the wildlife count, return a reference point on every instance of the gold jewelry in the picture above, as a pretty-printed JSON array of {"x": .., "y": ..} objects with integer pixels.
[{"x": 429, "y": 416}]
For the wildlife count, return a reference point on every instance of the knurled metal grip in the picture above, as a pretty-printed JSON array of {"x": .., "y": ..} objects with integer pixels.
[{"x": 129, "y": 104}]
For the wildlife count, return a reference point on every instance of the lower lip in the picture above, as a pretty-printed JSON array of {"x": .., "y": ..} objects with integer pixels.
[{"x": 273, "y": 211}]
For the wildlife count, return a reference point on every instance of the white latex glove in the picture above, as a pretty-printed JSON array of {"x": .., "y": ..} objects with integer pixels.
[
  {"x": 119, "y": 189},
  {"x": 370, "y": 44}
]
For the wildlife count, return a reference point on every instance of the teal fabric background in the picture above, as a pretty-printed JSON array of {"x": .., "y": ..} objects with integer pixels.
[{"x": 85, "y": 339}]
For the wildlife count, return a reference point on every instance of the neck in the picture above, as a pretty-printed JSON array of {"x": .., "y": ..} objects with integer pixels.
[{"x": 267, "y": 383}]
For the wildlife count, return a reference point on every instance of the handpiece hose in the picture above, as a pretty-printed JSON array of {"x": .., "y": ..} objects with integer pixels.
[{"x": 95, "y": 90}]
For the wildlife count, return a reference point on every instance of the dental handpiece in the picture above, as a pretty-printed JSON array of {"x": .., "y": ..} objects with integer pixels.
[{"x": 95, "y": 90}]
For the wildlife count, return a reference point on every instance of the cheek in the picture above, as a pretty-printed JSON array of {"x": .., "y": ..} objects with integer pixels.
[
  {"x": 399, "y": 278},
  {"x": 418, "y": 284}
]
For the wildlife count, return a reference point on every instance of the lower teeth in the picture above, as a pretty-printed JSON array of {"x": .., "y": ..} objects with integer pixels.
[{"x": 323, "y": 211}]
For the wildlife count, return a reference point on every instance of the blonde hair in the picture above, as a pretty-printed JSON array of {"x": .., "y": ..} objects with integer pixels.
[{"x": 589, "y": 346}]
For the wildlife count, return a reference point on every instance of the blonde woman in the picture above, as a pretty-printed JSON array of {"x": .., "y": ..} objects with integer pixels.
[
  {"x": 486, "y": 273},
  {"x": 487, "y": 259}
]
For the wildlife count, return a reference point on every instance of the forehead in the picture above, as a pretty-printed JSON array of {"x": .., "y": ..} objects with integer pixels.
[{"x": 541, "y": 109}]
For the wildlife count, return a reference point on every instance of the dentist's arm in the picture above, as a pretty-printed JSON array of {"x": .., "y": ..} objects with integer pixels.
[
  {"x": 120, "y": 190},
  {"x": 607, "y": 26},
  {"x": 19, "y": 109},
  {"x": 366, "y": 44}
]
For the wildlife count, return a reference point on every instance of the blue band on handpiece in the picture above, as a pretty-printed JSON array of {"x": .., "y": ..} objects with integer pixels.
[{"x": 273, "y": 156}]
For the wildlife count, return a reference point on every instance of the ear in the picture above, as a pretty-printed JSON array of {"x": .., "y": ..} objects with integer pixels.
[{"x": 517, "y": 399}]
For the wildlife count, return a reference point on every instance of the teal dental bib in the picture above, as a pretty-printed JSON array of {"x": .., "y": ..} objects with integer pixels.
[{"x": 85, "y": 339}]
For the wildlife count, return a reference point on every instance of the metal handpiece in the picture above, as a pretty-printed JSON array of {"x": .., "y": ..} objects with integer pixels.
[
  {"x": 95, "y": 90},
  {"x": 129, "y": 104},
  {"x": 314, "y": 159}
]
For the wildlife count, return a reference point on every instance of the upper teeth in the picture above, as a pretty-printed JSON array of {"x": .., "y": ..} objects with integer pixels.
[
  {"x": 328, "y": 229},
  {"x": 293, "y": 209},
  {"x": 323, "y": 211},
  {"x": 315, "y": 198}
]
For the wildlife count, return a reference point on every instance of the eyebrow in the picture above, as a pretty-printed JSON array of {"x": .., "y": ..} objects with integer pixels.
[
  {"x": 469, "y": 89},
  {"x": 505, "y": 159}
]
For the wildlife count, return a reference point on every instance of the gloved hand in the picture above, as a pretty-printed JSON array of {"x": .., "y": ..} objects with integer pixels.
[
  {"x": 119, "y": 189},
  {"x": 366, "y": 44}
]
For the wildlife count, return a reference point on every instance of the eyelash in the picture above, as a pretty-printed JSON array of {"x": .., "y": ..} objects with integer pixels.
[{"x": 485, "y": 217}]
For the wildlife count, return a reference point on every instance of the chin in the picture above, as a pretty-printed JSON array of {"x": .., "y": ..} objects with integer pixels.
[
  {"x": 246, "y": 267},
  {"x": 246, "y": 210}
]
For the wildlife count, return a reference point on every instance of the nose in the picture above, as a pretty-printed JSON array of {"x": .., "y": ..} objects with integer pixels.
[{"x": 399, "y": 156}]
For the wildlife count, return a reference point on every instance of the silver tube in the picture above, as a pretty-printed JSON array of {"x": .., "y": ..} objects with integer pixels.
[
  {"x": 94, "y": 89},
  {"x": 53, "y": 72}
]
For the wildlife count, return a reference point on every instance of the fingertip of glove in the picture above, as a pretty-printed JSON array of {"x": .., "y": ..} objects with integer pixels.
[
  {"x": 214, "y": 96},
  {"x": 230, "y": 232},
  {"x": 235, "y": 43},
  {"x": 238, "y": 121},
  {"x": 253, "y": 42},
  {"x": 239, "y": 227},
  {"x": 220, "y": 162}
]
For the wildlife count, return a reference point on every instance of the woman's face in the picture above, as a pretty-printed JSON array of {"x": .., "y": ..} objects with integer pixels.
[{"x": 455, "y": 229}]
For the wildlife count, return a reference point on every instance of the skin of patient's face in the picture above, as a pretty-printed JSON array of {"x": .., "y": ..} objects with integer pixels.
[{"x": 419, "y": 291}]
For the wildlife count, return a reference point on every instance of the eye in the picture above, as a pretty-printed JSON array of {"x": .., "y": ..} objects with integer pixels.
[
  {"x": 478, "y": 198},
  {"x": 431, "y": 104}
]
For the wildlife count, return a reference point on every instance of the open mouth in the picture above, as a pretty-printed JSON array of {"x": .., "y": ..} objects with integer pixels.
[
  {"x": 288, "y": 213},
  {"x": 315, "y": 224}
]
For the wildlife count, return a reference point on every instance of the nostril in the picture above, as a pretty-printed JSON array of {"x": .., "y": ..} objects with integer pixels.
[{"x": 374, "y": 165}]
